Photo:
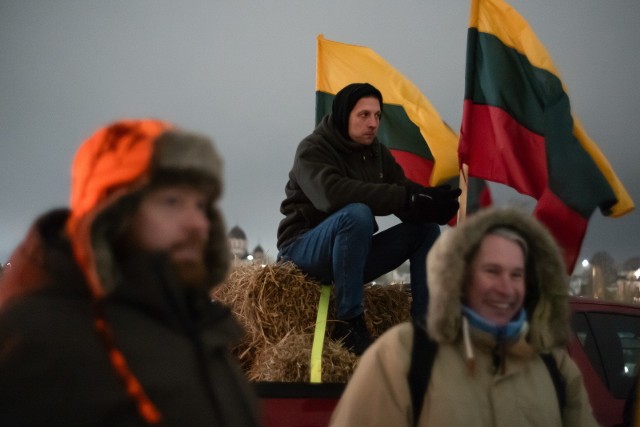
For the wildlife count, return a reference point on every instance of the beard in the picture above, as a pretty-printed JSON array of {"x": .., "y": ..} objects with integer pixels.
[
  {"x": 191, "y": 271},
  {"x": 185, "y": 259}
]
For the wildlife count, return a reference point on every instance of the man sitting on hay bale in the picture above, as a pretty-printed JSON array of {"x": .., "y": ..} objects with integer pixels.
[{"x": 342, "y": 178}]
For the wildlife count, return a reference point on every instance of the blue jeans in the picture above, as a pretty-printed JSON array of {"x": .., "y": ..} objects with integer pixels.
[{"x": 343, "y": 249}]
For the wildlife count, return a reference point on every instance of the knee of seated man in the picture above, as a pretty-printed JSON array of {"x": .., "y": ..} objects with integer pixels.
[{"x": 359, "y": 213}]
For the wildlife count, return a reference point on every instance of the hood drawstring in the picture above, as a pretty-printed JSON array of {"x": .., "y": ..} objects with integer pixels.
[
  {"x": 468, "y": 347},
  {"x": 504, "y": 336},
  {"x": 499, "y": 352},
  {"x": 146, "y": 409}
]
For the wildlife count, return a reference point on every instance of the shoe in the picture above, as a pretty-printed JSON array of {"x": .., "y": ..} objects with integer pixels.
[{"x": 353, "y": 334}]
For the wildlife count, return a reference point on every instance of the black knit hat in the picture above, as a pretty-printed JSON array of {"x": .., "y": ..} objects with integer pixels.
[{"x": 346, "y": 99}]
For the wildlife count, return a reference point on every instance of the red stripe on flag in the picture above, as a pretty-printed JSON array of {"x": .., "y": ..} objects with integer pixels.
[
  {"x": 487, "y": 146},
  {"x": 485, "y": 197},
  {"x": 416, "y": 168},
  {"x": 567, "y": 226}
]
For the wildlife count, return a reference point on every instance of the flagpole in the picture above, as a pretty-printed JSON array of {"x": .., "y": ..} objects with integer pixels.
[
  {"x": 464, "y": 186},
  {"x": 464, "y": 168}
]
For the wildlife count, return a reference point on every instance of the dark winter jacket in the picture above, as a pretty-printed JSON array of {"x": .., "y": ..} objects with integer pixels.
[
  {"x": 91, "y": 335},
  {"x": 54, "y": 369},
  {"x": 329, "y": 172}
]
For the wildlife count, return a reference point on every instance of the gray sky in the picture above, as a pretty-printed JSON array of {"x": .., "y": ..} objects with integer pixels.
[{"x": 243, "y": 72}]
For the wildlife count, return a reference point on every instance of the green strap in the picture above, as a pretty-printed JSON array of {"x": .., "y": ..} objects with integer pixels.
[{"x": 318, "y": 336}]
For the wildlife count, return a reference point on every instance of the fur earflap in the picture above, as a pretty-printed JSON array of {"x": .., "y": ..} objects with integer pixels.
[{"x": 111, "y": 172}]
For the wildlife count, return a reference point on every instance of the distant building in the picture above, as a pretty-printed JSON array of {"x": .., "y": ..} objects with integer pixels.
[
  {"x": 238, "y": 243},
  {"x": 258, "y": 256},
  {"x": 239, "y": 253}
]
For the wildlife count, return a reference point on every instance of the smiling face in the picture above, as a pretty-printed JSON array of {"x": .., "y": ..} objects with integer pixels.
[
  {"x": 497, "y": 287},
  {"x": 364, "y": 120}
]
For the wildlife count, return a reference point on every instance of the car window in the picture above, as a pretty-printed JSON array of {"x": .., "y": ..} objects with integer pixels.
[
  {"x": 612, "y": 343},
  {"x": 581, "y": 328}
]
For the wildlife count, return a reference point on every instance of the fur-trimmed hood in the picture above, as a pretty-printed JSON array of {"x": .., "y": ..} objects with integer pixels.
[{"x": 546, "y": 295}]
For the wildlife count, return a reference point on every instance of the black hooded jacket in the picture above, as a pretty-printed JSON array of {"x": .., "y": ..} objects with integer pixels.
[{"x": 330, "y": 171}]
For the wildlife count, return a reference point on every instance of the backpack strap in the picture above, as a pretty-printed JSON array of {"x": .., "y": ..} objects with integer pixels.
[
  {"x": 423, "y": 354},
  {"x": 557, "y": 378}
]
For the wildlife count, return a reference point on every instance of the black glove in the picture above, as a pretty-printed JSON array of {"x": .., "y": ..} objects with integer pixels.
[{"x": 433, "y": 204}]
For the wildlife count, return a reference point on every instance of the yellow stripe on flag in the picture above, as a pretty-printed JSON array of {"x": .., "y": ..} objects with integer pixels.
[
  {"x": 339, "y": 64},
  {"x": 498, "y": 18},
  {"x": 625, "y": 204}
]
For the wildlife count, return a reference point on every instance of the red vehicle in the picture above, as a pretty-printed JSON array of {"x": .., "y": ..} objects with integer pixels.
[{"x": 605, "y": 346}]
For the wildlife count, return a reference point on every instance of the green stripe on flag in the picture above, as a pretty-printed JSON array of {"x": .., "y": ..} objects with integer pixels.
[
  {"x": 508, "y": 80},
  {"x": 535, "y": 99},
  {"x": 396, "y": 131}
]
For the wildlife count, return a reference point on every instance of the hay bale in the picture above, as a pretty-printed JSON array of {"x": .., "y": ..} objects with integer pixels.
[
  {"x": 385, "y": 306},
  {"x": 275, "y": 300},
  {"x": 270, "y": 302},
  {"x": 290, "y": 361},
  {"x": 277, "y": 305}
]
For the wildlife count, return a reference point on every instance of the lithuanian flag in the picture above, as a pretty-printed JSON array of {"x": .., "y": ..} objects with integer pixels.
[
  {"x": 420, "y": 141},
  {"x": 517, "y": 128}
]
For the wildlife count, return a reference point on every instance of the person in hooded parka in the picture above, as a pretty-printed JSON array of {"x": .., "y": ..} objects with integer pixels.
[{"x": 498, "y": 304}]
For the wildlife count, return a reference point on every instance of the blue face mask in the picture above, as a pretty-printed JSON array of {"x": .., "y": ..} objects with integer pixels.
[{"x": 508, "y": 332}]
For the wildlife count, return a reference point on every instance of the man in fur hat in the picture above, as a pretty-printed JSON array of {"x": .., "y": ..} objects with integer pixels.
[
  {"x": 498, "y": 322},
  {"x": 105, "y": 315},
  {"x": 342, "y": 178}
]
